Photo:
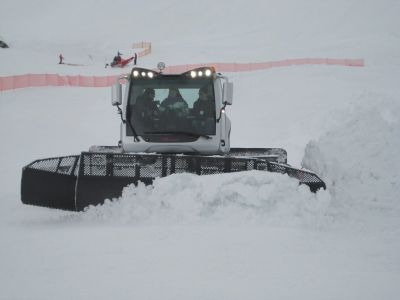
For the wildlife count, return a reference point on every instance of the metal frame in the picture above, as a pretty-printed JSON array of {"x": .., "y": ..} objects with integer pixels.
[{"x": 75, "y": 182}]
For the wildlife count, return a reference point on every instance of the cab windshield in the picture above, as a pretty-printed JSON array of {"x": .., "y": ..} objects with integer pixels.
[{"x": 173, "y": 104}]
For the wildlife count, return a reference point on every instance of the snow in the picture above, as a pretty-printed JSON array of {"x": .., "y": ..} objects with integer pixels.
[{"x": 249, "y": 235}]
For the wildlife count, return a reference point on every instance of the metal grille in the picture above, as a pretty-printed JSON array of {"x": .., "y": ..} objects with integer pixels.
[
  {"x": 211, "y": 165},
  {"x": 140, "y": 166},
  {"x": 237, "y": 165},
  {"x": 62, "y": 165},
  {"x": 94, "y": 165},
  {"x": 278, "y": 155},
  {"x": 200, "y": 165},
  {"x": 150, "y": 166},
  {"x": 302, "y": 175},
  {"x": 60, "y": 183},
  {"x": 181, "y": 164}
]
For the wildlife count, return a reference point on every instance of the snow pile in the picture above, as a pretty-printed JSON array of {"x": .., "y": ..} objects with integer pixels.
[
  {"x": 356, "y": 159},
  {"x": 286, "y": 236},
  {"x": 247, "y": 197},
  {"x": 359, "y": 159}
]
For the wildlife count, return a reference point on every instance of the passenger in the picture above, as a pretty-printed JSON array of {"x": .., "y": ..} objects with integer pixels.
[
  {"x": 204, "y": 113},
  {"x": 204, "y": 106},
  {"x": 175, "y": 102}
]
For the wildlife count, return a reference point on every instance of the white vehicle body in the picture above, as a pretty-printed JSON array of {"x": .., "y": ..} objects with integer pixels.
[
  {"x": 208, "y": 144},
  {"x": 187, "y": 132}
]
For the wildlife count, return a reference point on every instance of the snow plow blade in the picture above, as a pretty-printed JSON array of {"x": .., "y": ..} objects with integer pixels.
[{"x": 75, "y": 182}]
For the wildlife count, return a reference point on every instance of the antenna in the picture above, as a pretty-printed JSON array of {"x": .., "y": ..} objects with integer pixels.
[{"x": 161, "y": 66}]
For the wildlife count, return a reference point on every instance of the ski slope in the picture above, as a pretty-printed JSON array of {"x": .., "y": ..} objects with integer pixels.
[{"x": 251, "y": 235}]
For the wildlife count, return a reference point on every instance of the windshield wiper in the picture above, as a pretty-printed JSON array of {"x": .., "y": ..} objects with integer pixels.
[
  {"x": 128, "y": 120},
  {"x": 179, "y": 133}
]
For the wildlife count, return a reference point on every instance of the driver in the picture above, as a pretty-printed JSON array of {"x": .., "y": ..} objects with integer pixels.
[
  {"x": 146, "y": 109},
  {"x": 204, "y": 107}
]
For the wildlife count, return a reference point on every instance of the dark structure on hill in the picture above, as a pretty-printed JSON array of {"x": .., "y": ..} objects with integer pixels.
[{"x": 3, "y": 44}]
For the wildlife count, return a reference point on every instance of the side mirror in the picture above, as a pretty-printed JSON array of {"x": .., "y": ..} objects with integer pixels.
[
  {"x": 116, "y": 94},
  {"x": 228, "y": 93}
]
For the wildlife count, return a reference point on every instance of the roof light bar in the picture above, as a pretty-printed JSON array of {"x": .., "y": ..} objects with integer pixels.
[
  {"x": 143, "y": 73},
  {"x": 200, "y": 72}
]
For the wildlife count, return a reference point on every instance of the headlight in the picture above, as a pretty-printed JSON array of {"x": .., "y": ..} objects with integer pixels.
[
  {"x": 200, "y": 72},
  {"x": 141, "y": 73}
]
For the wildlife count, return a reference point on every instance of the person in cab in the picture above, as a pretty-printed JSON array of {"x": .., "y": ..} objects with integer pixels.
[
  {"x": 175, "y": 103},
  {"x": 204, "y": 112},
  {"x": 146, "y": 108}
]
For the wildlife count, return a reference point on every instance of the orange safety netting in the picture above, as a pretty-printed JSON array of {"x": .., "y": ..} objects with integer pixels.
[{"x": 37, "y": 80}]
